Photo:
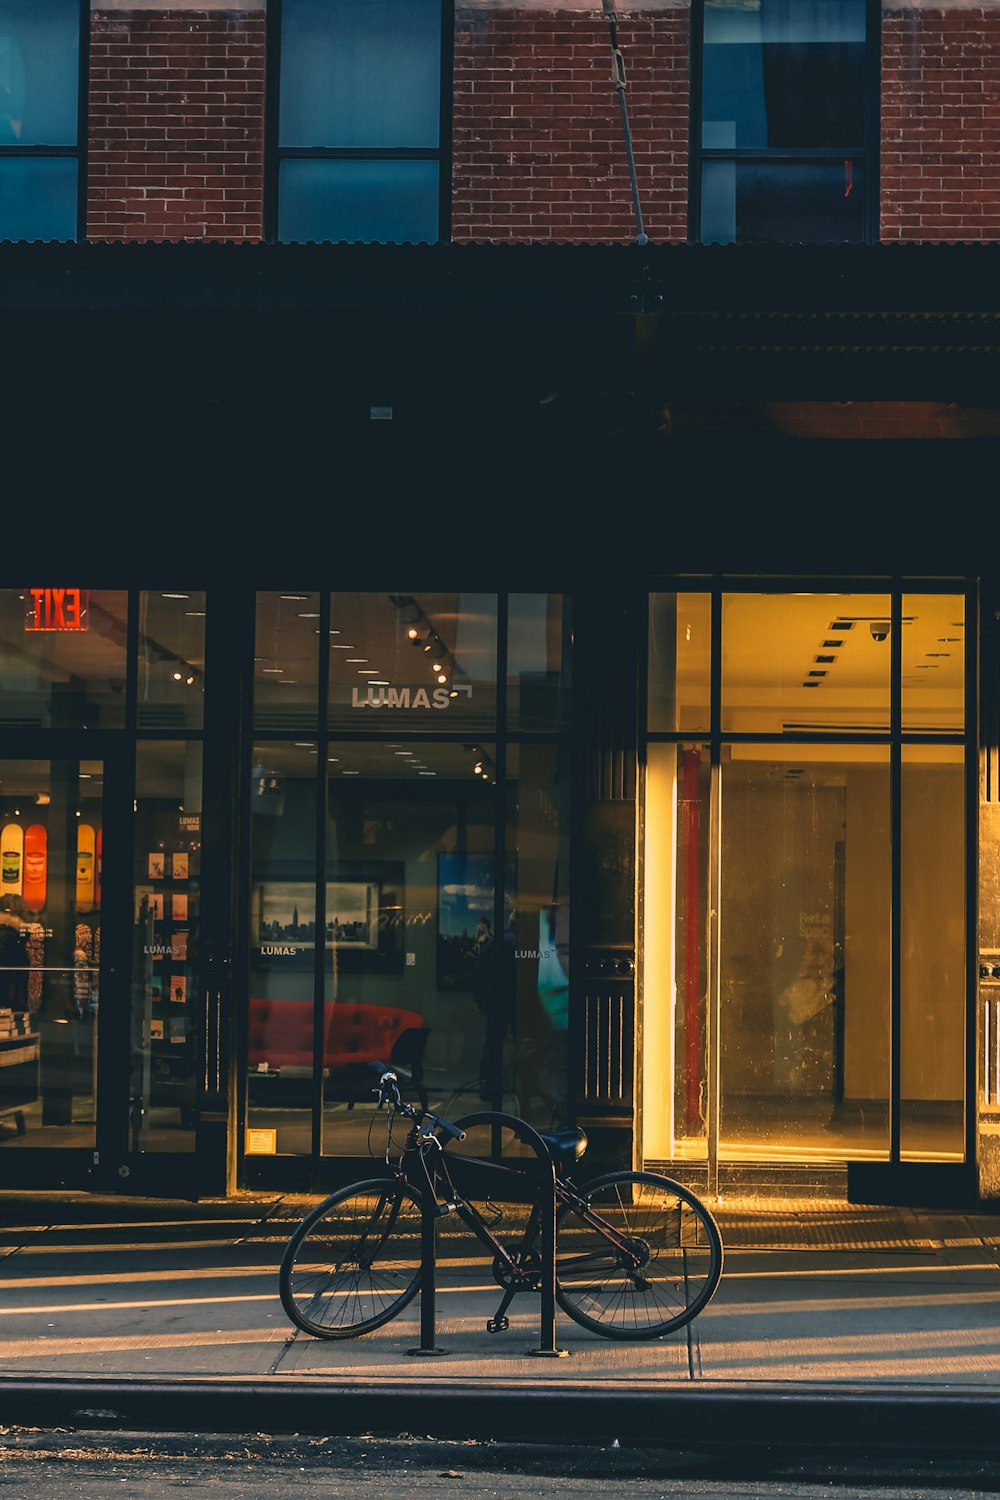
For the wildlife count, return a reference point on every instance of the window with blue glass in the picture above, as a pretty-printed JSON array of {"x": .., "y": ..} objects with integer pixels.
[
  {"x": 358, "y": 153},
  {"x": 41, "y": 55},
  {"x": 786, "y": 134}
]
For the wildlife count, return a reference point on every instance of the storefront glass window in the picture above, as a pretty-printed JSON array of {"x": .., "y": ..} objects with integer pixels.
[
  {"x": 524, "y": 995},
  {"x": 409, "y": 911},
  {"x": 804, "y": 951},
  {"x": 404, "y": 662},
  {"x": 165, "y": 900},
  {"x": 932, "y": 953},
  {"x": 680, "y": 640},
  {"x": 282, "y": 984},
  {"x": 794, "y": 663},
  {"x": 538, "y": 659},
  {"x": 286, "y": 661},
  {"x": 51, "y": 836},
  {"x": 933, "y": 649},
  {"x": 62, "y": 658},
  {"x": 171, "y": 660}
]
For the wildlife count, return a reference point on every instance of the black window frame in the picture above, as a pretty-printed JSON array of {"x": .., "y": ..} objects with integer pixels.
[
  {"x": 275, "y": 153},
  {"x": 868, "y": 154},
  {"x": 78, "y": 151}
]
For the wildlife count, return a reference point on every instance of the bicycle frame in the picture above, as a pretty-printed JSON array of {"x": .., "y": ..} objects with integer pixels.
[{"x": 515, "y": 1261}]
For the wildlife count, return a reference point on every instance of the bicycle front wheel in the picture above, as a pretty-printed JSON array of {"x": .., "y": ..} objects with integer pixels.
[
  {"x": 637, "y": 1256},
  {"x": 354, "y": 1261}
]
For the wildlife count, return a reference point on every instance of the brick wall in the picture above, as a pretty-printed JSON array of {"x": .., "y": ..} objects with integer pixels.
[
  {"x": 940, "y": 170},
  {"x": 539, "y": 148},
  {"x": 176, "y": 124}
]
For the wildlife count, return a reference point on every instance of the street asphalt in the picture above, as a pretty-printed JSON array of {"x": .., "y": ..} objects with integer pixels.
[{"x": 833, "y": 1324}]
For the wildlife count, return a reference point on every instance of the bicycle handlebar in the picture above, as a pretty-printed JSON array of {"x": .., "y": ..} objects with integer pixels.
[{"x": 388, "y": 1093}]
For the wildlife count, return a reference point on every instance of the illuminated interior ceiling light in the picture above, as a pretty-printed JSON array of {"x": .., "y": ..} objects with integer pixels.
[
  {"x": 435, "y": 666},
  {"x": 378, "y": 681},
  {"x": 178, "y": 676},
  {"x": 478, "y": 767},
  {"x": 428, "y": 645},
  {"x": 310, "y": 616},
  {"x": 303, "y": 744},
  {"x": 272, "y": 669},
  {"x": 413, "y": 633},
  {"x": 442, "y": 677},
  {"x": 194, "y": 614},
  {"x": 189, "y": 681},
  {"x": 357, "y": 658},
  {"x": 42, "y": 799},
  {"x": 295, "y": 598},
  {"x": 453, "y": 693},
  {"x": 175, "y": 596}
]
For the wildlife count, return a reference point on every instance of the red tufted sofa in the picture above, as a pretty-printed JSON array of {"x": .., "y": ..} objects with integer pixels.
[{"x": 280, "y": 1044}]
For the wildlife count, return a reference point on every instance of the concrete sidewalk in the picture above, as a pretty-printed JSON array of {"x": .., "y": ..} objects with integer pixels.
[{"x": 163, "y": 1314}]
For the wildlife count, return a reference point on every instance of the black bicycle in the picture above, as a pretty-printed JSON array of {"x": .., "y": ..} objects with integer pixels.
[{"x": 637, "y": 1255}]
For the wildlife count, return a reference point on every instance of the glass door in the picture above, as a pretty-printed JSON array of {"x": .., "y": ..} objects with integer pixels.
[{"x": 51, "y": 896}]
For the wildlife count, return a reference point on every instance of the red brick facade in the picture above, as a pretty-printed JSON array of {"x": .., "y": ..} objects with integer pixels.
[
  {"x": 940, "y": 170},
  {"x": 176, "y": 145},
  {"x": 539, "y": 148}
]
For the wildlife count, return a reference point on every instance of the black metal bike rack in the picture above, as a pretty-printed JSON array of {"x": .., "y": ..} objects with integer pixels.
[{"x": 547, "y": 1209}]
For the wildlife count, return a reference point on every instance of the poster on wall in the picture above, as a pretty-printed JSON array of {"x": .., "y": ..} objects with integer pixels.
[
  {"x": 363, "y": 920},
  {"x": 465, "y": 917}
]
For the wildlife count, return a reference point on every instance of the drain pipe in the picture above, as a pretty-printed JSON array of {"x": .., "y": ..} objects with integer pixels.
[{"x": 619, "y": 81}]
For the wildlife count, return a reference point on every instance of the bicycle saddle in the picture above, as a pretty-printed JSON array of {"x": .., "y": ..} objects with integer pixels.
[{"x": 565, "y": 1145}]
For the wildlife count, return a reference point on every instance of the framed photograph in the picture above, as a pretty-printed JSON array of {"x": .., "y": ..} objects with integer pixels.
[
  {"x": 178, "y": 989},
  {"x": 465, "y": 916},
  {"x": 363, "y": 921},
  {"x": 179, "y": 906},
  {"x": 179, "y": 867},
  {"x": 157, "y": 864}
]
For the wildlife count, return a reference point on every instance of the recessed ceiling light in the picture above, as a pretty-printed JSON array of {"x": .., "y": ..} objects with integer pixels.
[
  {"x": 824, "y": 658},
  {"x": 175, "y": 596},
  {"x": 833, "y": 643}
]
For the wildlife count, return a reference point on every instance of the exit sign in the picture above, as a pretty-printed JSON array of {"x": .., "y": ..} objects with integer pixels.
[{"x": 56, "y": 609}]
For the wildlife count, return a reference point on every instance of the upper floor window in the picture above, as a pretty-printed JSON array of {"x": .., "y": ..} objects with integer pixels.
[
  {"x": 358, "y": 148},
  {"x": 786, "y": 127},
  {"x": 40, "y": 65}
]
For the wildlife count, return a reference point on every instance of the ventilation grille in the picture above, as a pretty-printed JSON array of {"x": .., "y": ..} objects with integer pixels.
[{"x": 609, "y": 1045}]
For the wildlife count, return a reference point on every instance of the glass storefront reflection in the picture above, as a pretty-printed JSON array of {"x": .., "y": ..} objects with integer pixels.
[
  {"x": 51, "y": 864},
  {"x": 165, "y": 901}
]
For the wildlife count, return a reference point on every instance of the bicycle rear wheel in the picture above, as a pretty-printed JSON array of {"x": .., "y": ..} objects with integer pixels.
[
  {"x": 354, "y": 1261},
  {"x": 637, "y": 1256}
]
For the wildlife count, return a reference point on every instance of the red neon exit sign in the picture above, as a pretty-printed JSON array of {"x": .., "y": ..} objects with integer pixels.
[{"x": 56, "y": 609}]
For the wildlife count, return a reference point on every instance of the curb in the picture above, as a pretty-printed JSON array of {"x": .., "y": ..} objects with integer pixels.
[{"x": 705, "y": 1416}]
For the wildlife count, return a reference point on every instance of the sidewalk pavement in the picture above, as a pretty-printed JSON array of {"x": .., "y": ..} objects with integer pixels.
[{"x": 833, "y": 1324}]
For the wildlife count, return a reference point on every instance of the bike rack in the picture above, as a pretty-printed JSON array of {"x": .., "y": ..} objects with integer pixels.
[{"x": 547, "y": 1347}]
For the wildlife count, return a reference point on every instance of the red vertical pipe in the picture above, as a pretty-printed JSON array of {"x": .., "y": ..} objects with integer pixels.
[{"x": 691, "y": 989}]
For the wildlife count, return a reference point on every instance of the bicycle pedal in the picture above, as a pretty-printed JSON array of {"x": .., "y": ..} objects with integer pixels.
[{"x": 497, "y": 1325}]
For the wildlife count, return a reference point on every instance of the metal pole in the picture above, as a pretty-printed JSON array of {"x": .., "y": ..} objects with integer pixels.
[
  {"x": 428, "y": 1278},
  {"x": 547, "y": 1284},
  {"x": 620, "y": 83}
]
